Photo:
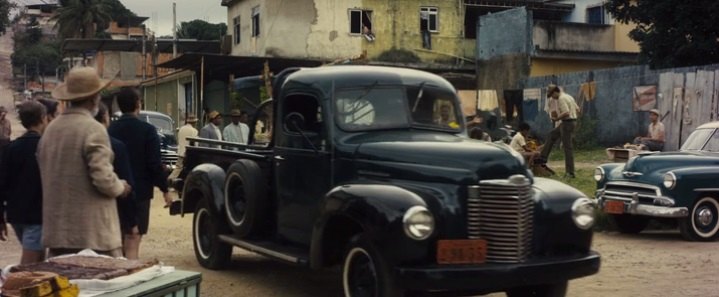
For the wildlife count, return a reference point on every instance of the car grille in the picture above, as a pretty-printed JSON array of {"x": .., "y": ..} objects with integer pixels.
[
  {"x": 168, "y": 157},
  {"x": 626, "y": 191},
  {"x": 502, "y": 212}
]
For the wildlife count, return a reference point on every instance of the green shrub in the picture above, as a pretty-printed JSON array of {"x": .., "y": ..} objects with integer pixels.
[
  {"x": 398, "y": 56},
  {"x": 585, "y": 136}
]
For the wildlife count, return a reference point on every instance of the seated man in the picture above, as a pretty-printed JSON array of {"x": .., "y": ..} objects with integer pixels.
[
  {"x": 655, "y": 140},
  {"x": 519, "y": 144},
  {"x": 478, "y": 134}
]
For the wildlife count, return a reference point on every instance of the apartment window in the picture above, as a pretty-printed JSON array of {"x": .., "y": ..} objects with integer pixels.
[
  {"x": 359, "y": 19},
  {"x": 256, "y": 21},
  {"x": 236, "y": 27},
  {"x": 595, "y": 15},
  {"x": 429, "y": 19}
]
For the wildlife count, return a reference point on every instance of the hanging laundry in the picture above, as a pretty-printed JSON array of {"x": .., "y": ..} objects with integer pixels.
[
  {"x": 588, "y": 91},
  {"x": 530, "y": 110},
  {"x": 513, "y": 101},
  {"x": 488, "y": 100}
]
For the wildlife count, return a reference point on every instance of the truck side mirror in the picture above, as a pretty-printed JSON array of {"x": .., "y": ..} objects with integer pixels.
[{"x": 295, "y": 122}]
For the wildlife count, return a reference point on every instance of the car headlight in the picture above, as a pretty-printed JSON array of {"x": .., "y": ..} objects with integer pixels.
[
  {"x": 670, "y": 180},
  {"x": 584, "y": 213},
  {"x": 598, "y": 174},
  {"x": 418, "y": 223}
]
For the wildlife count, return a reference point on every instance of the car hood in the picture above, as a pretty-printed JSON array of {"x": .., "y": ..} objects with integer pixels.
[
  {"x": 436, "y": 157},
  {"x": 651, "y": 168}
]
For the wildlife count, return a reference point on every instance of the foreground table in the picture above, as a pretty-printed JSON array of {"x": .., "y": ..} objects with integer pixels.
[{"x": 175, "y": 284}]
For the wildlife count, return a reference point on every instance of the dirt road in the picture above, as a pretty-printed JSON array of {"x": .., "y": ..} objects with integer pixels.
[{"x": 651, "y": 264}]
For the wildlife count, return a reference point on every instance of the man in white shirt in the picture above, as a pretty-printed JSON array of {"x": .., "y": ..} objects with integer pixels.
[
  {"x": 237, "y": 131},
  {"x": 655, "y": 140},
  {"x": 519, "y": 144},
  {"x": 566, "y": 112},
  {"x": 186, "y": 131},
  {"x": 212, "y": 129}
]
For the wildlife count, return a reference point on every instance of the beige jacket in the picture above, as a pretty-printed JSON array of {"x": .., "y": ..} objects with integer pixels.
[{"x": 79, "y": 184}]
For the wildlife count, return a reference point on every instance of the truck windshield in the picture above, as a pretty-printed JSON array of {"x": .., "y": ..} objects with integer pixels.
[
  {"x": 396, "y": 107},
  {"x": 702, "y": 139}
]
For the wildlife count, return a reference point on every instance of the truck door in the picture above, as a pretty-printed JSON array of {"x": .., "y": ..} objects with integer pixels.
[{"x": 302, "y": 165}]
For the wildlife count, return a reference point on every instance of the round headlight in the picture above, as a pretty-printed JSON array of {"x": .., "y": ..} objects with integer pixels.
[
  {"x": 670, "y": 180},
  {"x": 584, "y": 213},
  {"x": 418, "y": 223},
  {"x": 598, "y": 174}
]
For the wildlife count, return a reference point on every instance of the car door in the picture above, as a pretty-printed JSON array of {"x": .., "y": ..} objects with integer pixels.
[{"x": 302, "y": 166}]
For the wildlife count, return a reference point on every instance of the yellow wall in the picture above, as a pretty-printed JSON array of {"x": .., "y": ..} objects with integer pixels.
[
  {"x": 622, "y": 42},
  {"x": 396, "y": 23},
  {"x": 544, "y": 67}
]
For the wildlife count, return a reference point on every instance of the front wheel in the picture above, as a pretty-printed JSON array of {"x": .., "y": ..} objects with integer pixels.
[
  {"x": 702, "y": 224},
  {"x": 365, "y": 272},
  {"x": 548, "y": 290},
  {"x": 629, "y": 224},
  {"x": 210, "y": 251}
]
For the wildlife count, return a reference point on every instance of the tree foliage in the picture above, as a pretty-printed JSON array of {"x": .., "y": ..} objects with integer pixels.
[
  {"x": 201, "y": 30},
  {"x": 672, "y": 33},
  {"x": 43, "y": 57},
  {"x": 82, "y": 18},
  {"x": 5, "y": 7}
]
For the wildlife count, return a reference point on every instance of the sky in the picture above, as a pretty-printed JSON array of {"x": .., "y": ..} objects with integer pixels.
[{"x": 160, "y": 12}]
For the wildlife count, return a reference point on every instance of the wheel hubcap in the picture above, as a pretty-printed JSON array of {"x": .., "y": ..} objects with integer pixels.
[
  {"x": 361, "y": 275},
  {"x": 705, "y": 216}
]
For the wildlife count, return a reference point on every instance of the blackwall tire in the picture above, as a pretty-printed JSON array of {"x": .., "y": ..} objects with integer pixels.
[
  {"x": 210, "y": 251},
  {"x": 245, "y": 198},
  {"x": 629, "y": 224},
  {"x": 547, "y": 290},
  {"x": 702, "y": 224},
  {"x": 365, "y": 272}
]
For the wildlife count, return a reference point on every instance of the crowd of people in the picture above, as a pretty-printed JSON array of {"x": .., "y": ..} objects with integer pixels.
[{"x": 75, "y": 181}]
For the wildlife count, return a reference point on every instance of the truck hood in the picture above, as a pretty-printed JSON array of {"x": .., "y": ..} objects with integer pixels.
[{"x": 437, "y": 157}]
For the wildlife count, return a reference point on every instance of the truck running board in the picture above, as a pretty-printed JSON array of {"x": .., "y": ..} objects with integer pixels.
[{"x": 270, "y": 249}]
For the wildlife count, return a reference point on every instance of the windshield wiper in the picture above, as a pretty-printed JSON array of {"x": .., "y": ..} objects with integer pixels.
[{"x": 419, "y": 96}]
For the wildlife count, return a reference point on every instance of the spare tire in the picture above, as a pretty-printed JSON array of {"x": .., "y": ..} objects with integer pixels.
[{"x": 245, "y": 198}]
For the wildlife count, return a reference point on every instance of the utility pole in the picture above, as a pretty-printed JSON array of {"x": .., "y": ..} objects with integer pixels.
[
  {"x": 174, "y": 30},
  {"x": 144, "y": 52}
]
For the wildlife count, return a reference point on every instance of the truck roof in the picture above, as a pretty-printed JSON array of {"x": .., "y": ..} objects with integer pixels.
[
  {"x": 356, "y": 76},
  {"x": 710, "y": 125}
]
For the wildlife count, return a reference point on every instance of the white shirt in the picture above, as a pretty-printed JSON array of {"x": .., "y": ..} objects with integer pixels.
[
  {"x": 236, "y": 133},
  {"x": 566, "y": 103},
  {"x": 185, "y": 131},
  {"x": 518, "y": 142},
  {"x": 656, "y": 131},
  {"x": 217, "y": 131}
]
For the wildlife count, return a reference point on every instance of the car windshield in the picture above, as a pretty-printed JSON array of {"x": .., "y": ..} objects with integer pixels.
[
  {"x": 702, "y": 139},
  {"x": 396, "y": 107},
  {"x": 163, "y": 125}
]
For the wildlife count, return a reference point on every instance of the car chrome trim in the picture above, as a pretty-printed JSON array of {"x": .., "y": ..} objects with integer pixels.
[
  {"x": 706, "y": 190},
  {"x": 636, "y": 185},
  {"x": 259, "y": 249},
  {"x": 631, "y": 174},
  {"x": 633, "y": 207}
]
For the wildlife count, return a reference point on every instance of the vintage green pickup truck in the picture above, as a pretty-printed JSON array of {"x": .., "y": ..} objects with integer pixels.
[
  {"x": 681, "y": 186},
  {"x": 370, "y": 169}
]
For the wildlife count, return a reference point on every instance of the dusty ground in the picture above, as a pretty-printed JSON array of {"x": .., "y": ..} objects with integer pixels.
[{"x": 651, "y": 264}]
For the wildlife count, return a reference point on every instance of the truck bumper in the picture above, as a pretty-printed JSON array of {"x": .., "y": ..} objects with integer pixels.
[
  {"x": 634, "y": 208},
  {"x": 497, "y": 277}
]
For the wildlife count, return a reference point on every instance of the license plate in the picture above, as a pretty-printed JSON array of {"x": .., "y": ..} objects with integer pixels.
[
  {"x": 465, "y": 251},
  {"x": 614, "y": 207}
]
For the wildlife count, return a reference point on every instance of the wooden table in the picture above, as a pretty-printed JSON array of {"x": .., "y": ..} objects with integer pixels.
[{"x": 175, "y": 284}]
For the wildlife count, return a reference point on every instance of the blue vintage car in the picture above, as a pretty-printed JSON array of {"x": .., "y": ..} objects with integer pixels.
[{"x": 681, "y": 185}]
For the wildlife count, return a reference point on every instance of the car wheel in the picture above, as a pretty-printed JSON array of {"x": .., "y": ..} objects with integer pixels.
[
  {"x": 245, "y": 198},
  {"x": 629, "y": 224},
  {"x": 210, "y": 251},
  {"x": 702, "y": 224},
  {"x": 548, "y": 290},
  {"x": 365, "y": 272}
]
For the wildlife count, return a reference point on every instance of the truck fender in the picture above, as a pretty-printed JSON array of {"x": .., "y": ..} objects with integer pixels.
[
  {"x": 205, "y": 181},
  {"x": 372, "y": 209}
]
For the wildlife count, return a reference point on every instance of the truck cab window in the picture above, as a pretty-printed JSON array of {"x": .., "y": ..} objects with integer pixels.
[{"x": 311, "y": 124}]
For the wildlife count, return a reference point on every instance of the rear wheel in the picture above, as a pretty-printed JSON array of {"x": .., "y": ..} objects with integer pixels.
[
  {"x": 210, "y": 251},
  {"x": 702, "y": 224},
  {"x": 630, "y": 224},
  {"x": 548, "y": 290},
  {"x": 366, "y": 273}
]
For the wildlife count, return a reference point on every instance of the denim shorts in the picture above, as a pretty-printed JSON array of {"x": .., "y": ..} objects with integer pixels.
[{"x": 30, "y": 236}]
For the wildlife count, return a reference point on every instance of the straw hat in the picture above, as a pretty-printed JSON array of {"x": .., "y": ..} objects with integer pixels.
[
  {"x": 235, "y": 113},
  {"x": 80, "y": 82},
  {"x": 551, "y": 89},
  {"x": 191, "y": 119},
  {"x": 213, "y": 115},
  {"x": 655, "y": 111}
]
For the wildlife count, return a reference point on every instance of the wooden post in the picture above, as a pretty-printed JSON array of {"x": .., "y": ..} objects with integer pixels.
[
  {"x": 267, "y": 77},
  {"x": 202, "y": 87}
]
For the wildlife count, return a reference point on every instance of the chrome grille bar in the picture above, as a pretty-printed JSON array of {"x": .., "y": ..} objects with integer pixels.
[{"x": 502, "y": 212}]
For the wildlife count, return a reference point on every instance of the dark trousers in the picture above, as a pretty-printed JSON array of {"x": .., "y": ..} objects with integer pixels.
[
  {"x": 426, "y": 39},
  {"x": 513, "y": 100},
  {"x": 565, "y": 131}
]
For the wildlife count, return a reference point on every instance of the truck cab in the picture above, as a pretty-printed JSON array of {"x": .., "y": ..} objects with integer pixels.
[{"x": 370, "y": 169}]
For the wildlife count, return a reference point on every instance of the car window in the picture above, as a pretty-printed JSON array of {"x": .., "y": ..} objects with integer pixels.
[
  {"x": 372, "y": 108},
  {"x": 713, "y": 143},
  {"x": 697, "y": 139},
  {"x": 163, "y": 125}
]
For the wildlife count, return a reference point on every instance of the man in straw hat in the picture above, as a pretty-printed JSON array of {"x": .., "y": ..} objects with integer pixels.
[
  {"x": 655, "y": 140},
  {"x": 565, "y": 113},
  {"x": 186, "y": 131},
  {"x": 212, "y": 129},
  {"x": 78, "y": 180},
  {"x": 237, "y": 131}
]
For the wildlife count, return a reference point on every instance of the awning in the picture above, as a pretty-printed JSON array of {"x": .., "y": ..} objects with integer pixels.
[{"x": 223, "y": 65}]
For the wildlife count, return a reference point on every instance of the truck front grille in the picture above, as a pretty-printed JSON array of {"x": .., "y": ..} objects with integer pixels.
[{"x": 501, "y": 212}]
